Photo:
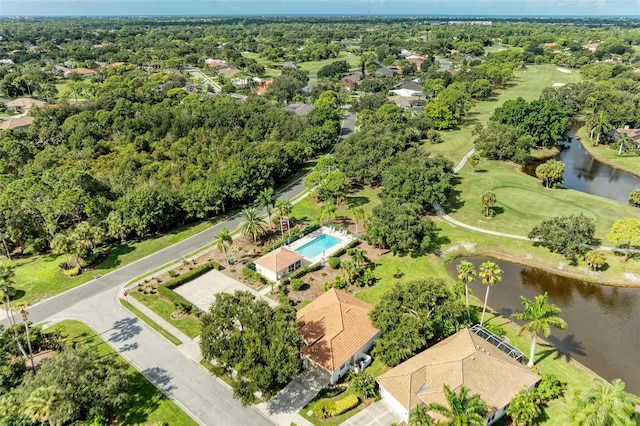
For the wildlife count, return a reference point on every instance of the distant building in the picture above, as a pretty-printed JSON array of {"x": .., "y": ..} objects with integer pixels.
[
  {"x": 351, "y": 81},
  {"x": 215, "y": 63},
  {"x": 337, "y": 331},
  {"x": 261, "y": 88},
  {"x": 279, "y": 263},
  {"x": 6, "y": 62},
  {"x": 633, "y": 134},
  {"x": 85, "y": 72},
  {"x": 24, "y": 104},
  {"x": 228, "y": 72},
  {"x": 463, "y": 359},
  {"x": 20, "y": 123},
  {"x": 385, "y": 72}
]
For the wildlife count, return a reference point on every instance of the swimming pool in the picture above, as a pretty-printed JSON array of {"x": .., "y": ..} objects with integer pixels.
[{"x": 317, "y": 246}]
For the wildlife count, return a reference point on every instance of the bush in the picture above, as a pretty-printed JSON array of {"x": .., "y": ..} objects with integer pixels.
[
  {"x": 340, "y": 283},
  {"x": 253, "y": 275},
  {"x": 297, "y": 284},
  {"x": 365, "y": 386},
  {"x": 305, "y": 270},
  {"x": 550, "y": 387},
  {"x": 172, "y": 273},
  {"x": 326, "y": 286},
  {"x": 71, "y": 272},
  {"x": 217, "y": 266},
  {"x": 178, "y": 301},
  {"x": 334, "y": 262},
  {"x": 342, "y": 405},
  {"x": 320, "y": 409},
  {"x": 188, "y": 276}
]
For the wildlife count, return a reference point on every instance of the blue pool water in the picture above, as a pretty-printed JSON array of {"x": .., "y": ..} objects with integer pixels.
[{"x": 317, "y": 246}]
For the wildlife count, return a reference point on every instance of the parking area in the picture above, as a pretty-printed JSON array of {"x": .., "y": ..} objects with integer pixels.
[
  {"x": 202, "y": 290},
  {"x": 377, "y": 414}
]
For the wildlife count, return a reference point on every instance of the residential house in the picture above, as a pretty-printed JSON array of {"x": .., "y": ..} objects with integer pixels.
[
  {"x": 261, "y": 88},
  {"x": 592, "y": 47},
  {"x": 633, "y": 134},
  {"x": 85, "y": 72},
  {"x": 24, "y": 104},
  {"x": 278, "y": 263},
  {"x": 228, "y": 72},
  {"x": 481, "y": 362},
  {"x": 299, "y": 108},
  {"x": 216, "y": 63},
  {"x": 243, "y": 81},
  {"x": 338, "y": 332},
  {"x": 351, "y": 81},
  {"x": 385, "y": 72},
  {"x": 20, "y": 123}
]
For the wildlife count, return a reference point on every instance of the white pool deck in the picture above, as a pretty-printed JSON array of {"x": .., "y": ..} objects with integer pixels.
[{"x": 344, "y": 237}]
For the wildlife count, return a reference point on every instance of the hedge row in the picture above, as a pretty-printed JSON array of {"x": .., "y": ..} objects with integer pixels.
[
  {"x": 250, "y": 273},
  {"x": 324, "y": 409},
  {"x": 305, "y": 270},
  {"x": 166, "y": 289},
  {"x": 343, "y": 250}
]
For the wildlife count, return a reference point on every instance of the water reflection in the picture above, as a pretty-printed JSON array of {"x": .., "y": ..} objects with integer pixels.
[
  {"x": 603, "y": 322},
  {"x": 585, "y": 173}
]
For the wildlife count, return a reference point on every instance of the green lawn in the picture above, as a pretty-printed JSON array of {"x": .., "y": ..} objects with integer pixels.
[
  {"x": 522, "y": 202},
  {"x": 528, "y": 85},
  {"x": 308, "y": 209},
  {"x": 188, "y": 325},
  {"x": 609, "y": 154},
  {"x": 147, "y": 405},
  {"x": 272, "y": 68},
  {"x": 39, "y": 277},
  {"x": 151, "y": 323}
]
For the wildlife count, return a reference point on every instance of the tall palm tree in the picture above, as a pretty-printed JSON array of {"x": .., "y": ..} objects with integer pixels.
[
  {"x": 463, "y": 410},
  {"x": 22, "y": 308},
  {"x": 224, "y": 239},
  {"x": 284, "y": 207},
  {"x": 42, "y": 404},
  {"x": 359, "y": 257},
  {"x": 267, "y": 199},
  {"x": 541, "y": 315},
  {"x": 420, "y": 416},
  {"x": 604, "y": 405},
  {"x": 466, "y": 274},
  {"x": 600, "y": 125},
  {"x": 357, "y": 215},
  {"x": 490, "y": 273},
  {"x": 488, "y": 199},
  {"x": 328, "y": 210},
  {"x": 7, "y": 289},
  {"x": 253, "y": 225}
]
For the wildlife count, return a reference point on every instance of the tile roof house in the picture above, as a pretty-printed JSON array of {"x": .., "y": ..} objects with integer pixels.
[
  {"x": 299, "y": 108},
  {"x": 25, "y": 103},
  {"x": 463, "y": 359},
  {"x": 279, "y": 263},
  {"x": 16, "y": 123},
  {"x": 385, "y": 72},
  {"x": 81, "y": 71},
  {"x": 227, "y": 71},
  {"x": 351, "y": 81},
  {"x": 261, "y": 88},
  {"x": 337, "y": 330},
  {"x": 633, "y": 134}
]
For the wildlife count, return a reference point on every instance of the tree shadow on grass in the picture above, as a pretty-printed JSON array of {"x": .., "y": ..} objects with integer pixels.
[
  {"x": 113, "y": 259},
  {"x": 454, "y": 201},
  {"x": 353, "y": 202},
  {"x": 144, "y": 398}
]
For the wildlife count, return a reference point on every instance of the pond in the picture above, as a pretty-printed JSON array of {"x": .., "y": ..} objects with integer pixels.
[
  {"x": 585, "y": 173},
  {"x": 603, "y": 329}
]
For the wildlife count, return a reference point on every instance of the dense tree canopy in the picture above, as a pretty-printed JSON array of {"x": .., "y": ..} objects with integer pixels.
[
  {"x": 567, "y": 235},
  {"x": 413, "y": 315},
  {"x": 261, "y": 344}
]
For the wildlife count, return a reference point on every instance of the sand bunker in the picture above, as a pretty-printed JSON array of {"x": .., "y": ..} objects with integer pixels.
[
  {"x": 558, "y": 84},
  {"x": 564, "y": 70}
]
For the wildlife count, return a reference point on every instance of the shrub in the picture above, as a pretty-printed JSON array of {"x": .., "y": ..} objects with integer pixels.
[
  {"x": 340, "y": 283},
  {"x": 595, "y": 259},
  {"x": 320, "y": 409},
  {"x": 550, "y": 387},
  {"x": 217, "y": 266},
  {"x": 334, "y": 262},
  {"x": 172, "y": 273},
  {"x": 188, "y": 276},
  {"x": 342, "y": 405},
  {"x": 297, "y": 284},
  {"x": 365, "y": 386},
  {"x": 253, "y": 275},
  {"x": 634, "y": 198},
  {"x": 178, "y": 301},
  {"x": 305, "y": 270},
  {"x": 326, "y": 286},
  {"x": 71, "y": 272}
]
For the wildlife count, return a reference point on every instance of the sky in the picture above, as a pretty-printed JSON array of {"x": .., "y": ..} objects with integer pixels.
[{"x": 320, "y": 7}]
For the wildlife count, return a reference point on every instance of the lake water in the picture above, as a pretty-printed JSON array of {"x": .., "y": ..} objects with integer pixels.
[
  {"x": 586, "y": 174},
  {"x": 603, "y": 329}
]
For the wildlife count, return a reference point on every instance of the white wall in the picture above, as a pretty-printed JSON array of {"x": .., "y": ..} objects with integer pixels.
[
  {"x": 395, "y": 405},
  {"x": 267, "y": 273}
]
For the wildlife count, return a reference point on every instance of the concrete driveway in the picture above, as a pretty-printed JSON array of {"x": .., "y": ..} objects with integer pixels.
[
  {"x": 202, "y": 290},
  {"x": 377, "y": 414}
]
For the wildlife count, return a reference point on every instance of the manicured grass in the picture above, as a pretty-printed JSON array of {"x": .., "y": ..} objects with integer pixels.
[
  {"x": 522, "y": 201},
  {"x": 188, "y": 325},
  {"x": 39, "y": 277},
  {"x": 609, "y": 154},
  {"x": 528, "y": 85},
  {"x": 314, "y": 66},
  {"x": 151, "y": 323},
  {"x": 309, "y": 209},
  {"x": 147, "y": 405}
]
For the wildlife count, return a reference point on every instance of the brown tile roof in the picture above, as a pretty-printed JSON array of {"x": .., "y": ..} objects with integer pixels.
[
  {"x": 16, "y": 123},
  {"x": 335, "y": 326},
  {"x": 25, "y": 103},
  {"x": 462, "y": 359},
  {"x": 633, "y": 134},
  {"x": 262, "y": 87},
  {"x": 279, "y": 259},
  {"x": 82, "y": 71}
]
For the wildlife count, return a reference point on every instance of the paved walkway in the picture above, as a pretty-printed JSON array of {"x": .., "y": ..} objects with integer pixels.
[{"x": 377, "y": 414}]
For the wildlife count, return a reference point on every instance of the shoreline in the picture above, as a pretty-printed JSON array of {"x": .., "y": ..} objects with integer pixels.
[{"x": 589, "y": 148}]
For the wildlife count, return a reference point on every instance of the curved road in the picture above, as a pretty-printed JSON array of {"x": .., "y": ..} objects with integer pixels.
[{"x": 96, "y": 303}]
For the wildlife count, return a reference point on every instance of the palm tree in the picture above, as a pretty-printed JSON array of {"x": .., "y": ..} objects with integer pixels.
[
  {"x": 357, "y": 215},
  {"x": 463, "y": 410},
  {"x": 474, "y": 160},
  {"x": 42, "y": 404},
  {"x": 328, "y": 210},
  {"x": 487, "y": 200},
  {"x": 420, "y": 417},
  {"x": 350, "y": 270},
  {"x": 224, "y": 239},
  {"x": 267, "y": 199},
  {"x": 253, "y": 224},
  {"x": 7, "y": 289},
  {"x": 466, "y": 274},
  {"x": 22, "y": 308},
  {"x": 541, "y": 315},
  {"x": 600, "y": 124},
  {"x": 358, "y": 256},
  {"x": 604, "y": 405},
  {"x": 284, "y": 208},
  {"x": 490, "y": 273}
]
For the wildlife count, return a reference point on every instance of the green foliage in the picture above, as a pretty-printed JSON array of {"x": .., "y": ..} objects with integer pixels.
[
  {"x": 335, "y": 70},
  {"x": 440, "y": 115},
  {"x": 402, "y": 228},
  {"x": 178, "y": 301},
  {"x": 343, "y": 405},
  {"x": 503, "y": 142},
  {"x": 634, "y": 197},
  {"x": 413, "y": 315},
  {"x": 550, "y": 173},
  {"x": 625, "y": 231},
  {"x": 334, "y": 262},
  {"x": 262, "y": 344},
  {"x": 567, "y": 235},
  {"x": 596, "y": 259},
  {"x": 188, "y": 276},
  {"x": 250, "y": 273},
  {"x": 604, "y": 404},
  {"x": 301, "y": 272},
  {"x": 488, "y": 199},
  {"x": 297, "y": 284},
  {"x": 365, "y": 385},
  {"x": 549, "y": 388},
  {"x": 463, "y": 409},
  {"x": 420, "y": 416},
  {"x": 523, "y": 408}
]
